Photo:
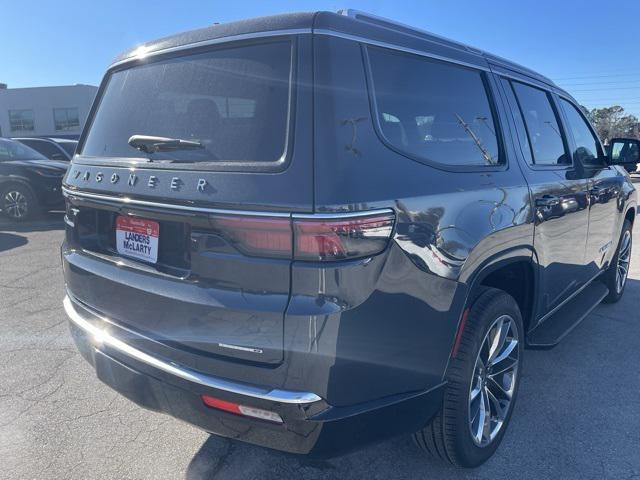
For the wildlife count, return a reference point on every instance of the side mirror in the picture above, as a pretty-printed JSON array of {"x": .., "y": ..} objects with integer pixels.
[{"x": 624, "y": 151}]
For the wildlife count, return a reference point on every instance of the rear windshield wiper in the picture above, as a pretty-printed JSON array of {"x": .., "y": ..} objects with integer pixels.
[{"x": 149, "y": 144}]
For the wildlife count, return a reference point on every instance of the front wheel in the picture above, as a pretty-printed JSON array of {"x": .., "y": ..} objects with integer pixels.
[
  {"x": 483, "y": 379},
  {"x": 615, "y": 277}
]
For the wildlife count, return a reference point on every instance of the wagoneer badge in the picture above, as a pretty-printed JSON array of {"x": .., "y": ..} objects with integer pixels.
[{"x": 136, "y": 180}]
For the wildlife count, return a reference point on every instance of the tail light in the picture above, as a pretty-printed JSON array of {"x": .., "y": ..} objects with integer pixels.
[
  {"x": 341, "y": 238},
  {"x": 310, "y": 237},
  {"x": 257, "y": 236}
]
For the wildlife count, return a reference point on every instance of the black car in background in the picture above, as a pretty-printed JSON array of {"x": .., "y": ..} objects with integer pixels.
[
  {"x": 29, "y": 182},
  {"x": 52, "y": 148}
]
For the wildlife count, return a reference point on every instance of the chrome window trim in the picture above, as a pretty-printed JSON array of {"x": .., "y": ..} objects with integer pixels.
[
  {"x": 102, "y": 337},
  {"x": 213, "y": 41},
  {"x": 393, "y": 46}
]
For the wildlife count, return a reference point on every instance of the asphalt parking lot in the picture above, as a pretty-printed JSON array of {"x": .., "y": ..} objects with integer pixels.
[{"x": 577, "y": 414}]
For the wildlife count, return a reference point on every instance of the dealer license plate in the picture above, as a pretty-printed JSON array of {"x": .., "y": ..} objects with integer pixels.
[{"x": 137, "y": 238}]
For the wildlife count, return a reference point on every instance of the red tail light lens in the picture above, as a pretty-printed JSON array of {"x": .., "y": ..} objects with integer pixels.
[
  {"x": 342, "y": 238},
  {"x": 317, "y": 238},
  {"x": 257, "y": 236}
]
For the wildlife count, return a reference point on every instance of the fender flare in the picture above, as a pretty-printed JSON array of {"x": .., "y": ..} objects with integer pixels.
[{"x": 516, "y": 254}]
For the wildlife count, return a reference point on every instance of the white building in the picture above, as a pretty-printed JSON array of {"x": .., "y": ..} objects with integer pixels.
[{"x": 44, "y": 111}]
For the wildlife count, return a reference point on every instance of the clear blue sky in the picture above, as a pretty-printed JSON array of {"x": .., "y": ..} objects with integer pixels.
[{"x": 590, "y": 48}]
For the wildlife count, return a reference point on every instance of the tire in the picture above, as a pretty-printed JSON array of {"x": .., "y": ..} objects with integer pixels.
[
  {"x": 18, "y": 202},
  {"x": 619, "y": 261},
  {"x": 450, "y": 435}
]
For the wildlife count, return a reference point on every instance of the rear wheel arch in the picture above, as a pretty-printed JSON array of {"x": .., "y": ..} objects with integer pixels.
[
  {"x": 630, "y": 214},
  {"x": 515, "y": 273}
]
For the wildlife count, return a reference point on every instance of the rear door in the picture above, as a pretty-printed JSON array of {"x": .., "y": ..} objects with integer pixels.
[
  {"x": 218, "y": 212},
  {"x": 559, "y": 192}
]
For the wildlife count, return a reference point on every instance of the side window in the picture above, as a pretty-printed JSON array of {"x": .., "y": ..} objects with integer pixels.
[
  {"x": 587, "y": 149},
  {"x": 433, "y": 110},
  {"x": 521, "y": 130},
  {"x": 543, "y": 128},
  {"x": 45, "y": 148}
]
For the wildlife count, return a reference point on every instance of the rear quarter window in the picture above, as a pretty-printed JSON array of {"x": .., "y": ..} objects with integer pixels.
[
  {"x": 432, "y": 110},
  {"x": 232, "y": 100}
]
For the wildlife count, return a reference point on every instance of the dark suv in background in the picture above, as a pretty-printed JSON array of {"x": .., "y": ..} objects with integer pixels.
[
  {"x": 29, "y": 182},
  {"x": 315, "y": 231}
]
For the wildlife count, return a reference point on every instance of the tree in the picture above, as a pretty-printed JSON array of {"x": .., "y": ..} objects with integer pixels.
[{"x": 611, "y": 122}]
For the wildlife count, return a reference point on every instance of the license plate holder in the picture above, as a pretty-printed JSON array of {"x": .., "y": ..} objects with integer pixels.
[{"x": 137, "y": 238}]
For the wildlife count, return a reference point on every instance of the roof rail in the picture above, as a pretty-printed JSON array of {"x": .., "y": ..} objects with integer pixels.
[
  {"x": 404, "y": 28},
  {"x": 409, "y": 30}
]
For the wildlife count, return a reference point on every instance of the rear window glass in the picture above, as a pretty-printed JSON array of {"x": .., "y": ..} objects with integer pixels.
[
  {"x": 234, "y": 102},
  {"x": 433, "y": 110}
]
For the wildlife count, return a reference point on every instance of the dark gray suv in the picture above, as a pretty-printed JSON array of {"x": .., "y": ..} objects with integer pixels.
[{"x": 315, "y": 231}]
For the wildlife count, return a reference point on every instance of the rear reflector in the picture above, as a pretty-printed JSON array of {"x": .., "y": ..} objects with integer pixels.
[
  {"x": 241, "y": 409},
  {"x": 307, "y": 238},
  {"x": 343, "y": 238}
]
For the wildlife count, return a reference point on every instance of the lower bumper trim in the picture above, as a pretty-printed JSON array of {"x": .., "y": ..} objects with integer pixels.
[{"x": 102, "y": 337}]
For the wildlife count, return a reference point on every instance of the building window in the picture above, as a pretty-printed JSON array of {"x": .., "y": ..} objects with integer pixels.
[
  {"x": 21, "y": 120},
  {"x": 66, "y": 118}
]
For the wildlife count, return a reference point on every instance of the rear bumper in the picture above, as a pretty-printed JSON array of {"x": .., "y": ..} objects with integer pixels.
[{"x": 310, "y": 425}]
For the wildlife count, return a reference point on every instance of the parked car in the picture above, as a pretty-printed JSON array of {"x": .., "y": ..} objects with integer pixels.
[
  {"x": 53, "y": 148},
  {"x": 625, "y": 152},
  {"x": 315, "y": 231},
  {"x": 29, "y": 182}
]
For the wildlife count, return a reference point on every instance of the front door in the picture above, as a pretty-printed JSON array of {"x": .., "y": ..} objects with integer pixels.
[
  {"x": 559, "y": 194},
  {"x": 605, "y": 184}
]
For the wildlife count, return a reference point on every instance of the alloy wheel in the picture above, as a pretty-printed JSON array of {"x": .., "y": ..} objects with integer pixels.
[
  {"x": 624, "y": 257},
  {"x": 16, "y": 204},
  {"x": 494, "y": 380}
]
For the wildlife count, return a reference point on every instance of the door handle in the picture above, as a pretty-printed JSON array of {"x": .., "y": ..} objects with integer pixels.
[{"x": 547, "y": 201}]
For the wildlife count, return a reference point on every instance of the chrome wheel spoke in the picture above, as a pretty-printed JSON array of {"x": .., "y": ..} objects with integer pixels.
[
  {"x": 497, "y": 342},
  {"x": 481, "y": 420},
  {"x": 476, "y": 390},
  {"x": 506, "y": 351},
  {"x": 505, "y": 366}
]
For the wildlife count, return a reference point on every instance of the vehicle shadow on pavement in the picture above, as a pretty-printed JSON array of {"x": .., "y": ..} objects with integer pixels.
[
  {"x": 223, "y": 458},
  {"x": 9, "y": 241}
]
